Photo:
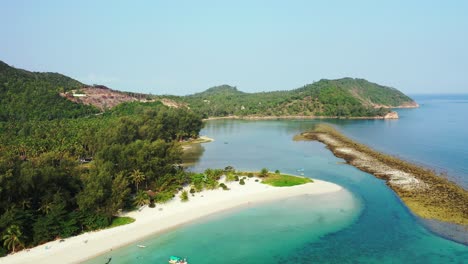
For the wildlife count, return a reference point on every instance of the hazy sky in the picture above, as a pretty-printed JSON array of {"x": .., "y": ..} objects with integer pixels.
[{"x": 181, "y": 47}]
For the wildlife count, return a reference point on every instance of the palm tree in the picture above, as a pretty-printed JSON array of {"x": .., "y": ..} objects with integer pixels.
[
  {"x": 141, "y": 198},
  {"x": 12, "y": 238},
  {"x": 45, "y": 207},
  {"x": 209, "y": 173},
  {"x": 137, "y": 177},
  {"x": 26, "y": 203}
]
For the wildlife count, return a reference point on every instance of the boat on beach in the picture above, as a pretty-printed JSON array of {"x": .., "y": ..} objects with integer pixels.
[{"x": 177, "y": 260}]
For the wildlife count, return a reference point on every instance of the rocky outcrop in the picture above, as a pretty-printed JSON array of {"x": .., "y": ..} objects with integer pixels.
[
  {"x": 391, "y": 115},
  {"x": 409, "y": 104},
  {"x": 426, "y": 193}
]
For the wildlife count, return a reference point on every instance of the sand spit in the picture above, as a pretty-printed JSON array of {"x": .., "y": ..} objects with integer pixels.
[
  {"x": 162, "y": 218},
  {"x": 391, "y": 115},
  {"x": 427, "y": 194}
]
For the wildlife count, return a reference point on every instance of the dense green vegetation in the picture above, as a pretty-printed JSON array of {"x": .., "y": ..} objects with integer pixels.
[
  {"x": 345, "y": 97},
  {"x": 28, "y": 95},
  {"x": 47, "y": 189},
  {"x": 64, "y": 170}
]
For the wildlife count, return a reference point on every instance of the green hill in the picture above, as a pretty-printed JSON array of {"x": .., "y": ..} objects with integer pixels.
[
  {"x": 345, "y": 97},
  {"x": 26, "y": 95},
  {"x": 64, "y": 170}
]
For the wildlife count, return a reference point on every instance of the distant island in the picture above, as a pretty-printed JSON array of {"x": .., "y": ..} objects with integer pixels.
[
  {"x": 46, "y": 96},
  {"x": 342, "y": 98}
]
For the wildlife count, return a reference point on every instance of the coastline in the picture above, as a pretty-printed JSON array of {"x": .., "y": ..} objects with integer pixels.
[
  {"x": 201, "y": 139},
  {"x": 426, "y": 194},
  {"x": 150, "y": 221},
  {"x": 252, "y": 117}
]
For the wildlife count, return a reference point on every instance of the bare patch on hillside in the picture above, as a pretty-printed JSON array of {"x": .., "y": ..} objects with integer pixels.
[{"x": 105, "y": 98}]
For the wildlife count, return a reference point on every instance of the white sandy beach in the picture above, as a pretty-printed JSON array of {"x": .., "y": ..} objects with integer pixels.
[{"x": 153, "y": 220}]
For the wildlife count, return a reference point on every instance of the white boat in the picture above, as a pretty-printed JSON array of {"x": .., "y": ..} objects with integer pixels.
[{"x": 141, "y": 246}]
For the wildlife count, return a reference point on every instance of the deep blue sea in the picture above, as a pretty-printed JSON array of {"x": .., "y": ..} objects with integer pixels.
[{"x": 373, "y": 226}]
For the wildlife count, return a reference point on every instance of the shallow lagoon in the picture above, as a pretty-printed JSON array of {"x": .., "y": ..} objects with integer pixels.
[{"x": 252, "y": 234}]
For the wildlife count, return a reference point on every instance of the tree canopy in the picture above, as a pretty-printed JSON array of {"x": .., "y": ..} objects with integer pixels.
[
  {"x": 64, "y": 176},
  {"x": 26, "y": 95},
  {"x": 345, "y": 97}
]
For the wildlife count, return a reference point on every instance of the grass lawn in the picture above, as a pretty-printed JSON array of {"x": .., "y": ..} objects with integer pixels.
[
  {"x": 118, "y": 221},
  {"x": 282, "y": 180}
]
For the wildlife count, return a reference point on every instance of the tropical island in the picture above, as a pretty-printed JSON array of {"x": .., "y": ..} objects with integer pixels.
[
  {"x": 341, "y": 98},
  {"x": 74, "y": 157},
  {"x": 427, "y": 194}
]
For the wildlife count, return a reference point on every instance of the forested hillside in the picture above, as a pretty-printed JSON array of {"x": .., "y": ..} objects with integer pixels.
[
  {"x": 28, "y": 95},
  {"x": 62, "y": 177},
  {"x": 65, "y": 170},
  {"x": 345, "y": 97}
]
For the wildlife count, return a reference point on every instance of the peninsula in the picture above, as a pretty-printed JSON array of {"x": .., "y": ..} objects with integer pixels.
[{"x": 340, "y": 98}]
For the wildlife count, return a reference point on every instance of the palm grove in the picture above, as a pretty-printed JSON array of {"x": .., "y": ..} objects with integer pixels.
[{"x": 49, "y": 190}]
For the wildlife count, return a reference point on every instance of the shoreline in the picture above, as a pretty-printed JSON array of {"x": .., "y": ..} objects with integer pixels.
[
  {"x": 390, "y": 115},
  {"x": 163, "y": 218},
  {"x": 199, "y": 140},
  {"x": 426, "y": 194}
]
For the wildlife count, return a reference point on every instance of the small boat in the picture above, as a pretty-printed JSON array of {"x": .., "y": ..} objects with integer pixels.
[
  {"x": 301, "y": 169},
  {"x": 141, "y": 246},
  {"x": 177, "y": 260}
]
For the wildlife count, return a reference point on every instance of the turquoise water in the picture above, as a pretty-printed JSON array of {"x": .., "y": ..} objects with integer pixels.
[
  {"x": 379, "y": 229},
  {"x": 281, "y": 228}
]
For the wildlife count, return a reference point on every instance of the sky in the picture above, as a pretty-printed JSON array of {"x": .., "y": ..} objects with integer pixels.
[{"x": 182, "y": 47}]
